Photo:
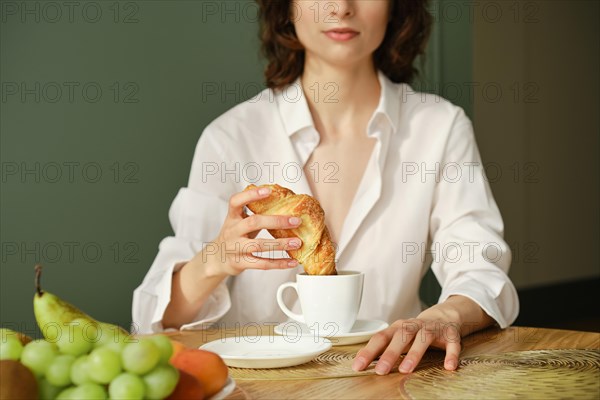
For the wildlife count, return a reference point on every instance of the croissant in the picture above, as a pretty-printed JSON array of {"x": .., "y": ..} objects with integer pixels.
[{"x": 317, "y": 253}]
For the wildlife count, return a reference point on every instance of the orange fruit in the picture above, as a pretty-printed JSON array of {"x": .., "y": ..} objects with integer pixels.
[
  {"x": 205, "y": 366},
  {"x": 177, "y": 347},
  {"x": 188, "y": 387}
]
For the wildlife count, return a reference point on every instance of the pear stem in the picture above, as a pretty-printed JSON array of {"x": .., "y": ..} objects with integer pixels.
[{"x": 38, "y": 278}]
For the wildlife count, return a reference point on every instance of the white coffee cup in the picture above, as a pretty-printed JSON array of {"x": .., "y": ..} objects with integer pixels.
[{"x": 329, "y": 303}]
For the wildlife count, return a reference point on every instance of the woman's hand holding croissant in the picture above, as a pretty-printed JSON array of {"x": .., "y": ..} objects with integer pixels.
[{"x": 231, "y": 252}]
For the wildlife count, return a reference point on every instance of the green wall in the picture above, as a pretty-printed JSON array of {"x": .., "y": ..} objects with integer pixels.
[
  {"x": 88, "y": 176},
  {"x": 157, "y": 67},
  {"x": 448, "y": 67}
]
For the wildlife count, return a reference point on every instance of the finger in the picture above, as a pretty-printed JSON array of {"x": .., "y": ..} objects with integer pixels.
[
  {"x": 452, "y": 353},
  {"x": 239, "y": 200},
  {"x": 262, "y": 245},
  {"x": 248, "y": 261},
  {"x": 397, "y": 346},
  {"x": 257, "y": 222},
  {"x": 423, "y": 340},
  {"x": 376, "y": 345}
]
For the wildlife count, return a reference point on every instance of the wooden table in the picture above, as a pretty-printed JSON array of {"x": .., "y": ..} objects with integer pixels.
[{"x": 489, "y": 341}]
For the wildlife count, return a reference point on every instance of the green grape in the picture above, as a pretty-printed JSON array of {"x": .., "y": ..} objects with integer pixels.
[
  {"x": 67, "y": 394},
  {"x": 127, "y": 386},
  {"x": 117, "y": 347},
  {"x": 103, "y": 365},
  {"x": 10, "y": 348},
  {"x": 38, "y": 355},
  {"x": 46, "y": 390},
  {"x": 59, "y": 370},
  {"x": 90, "y": 391},
  {"x": 165, "y": 346},
  {"x": 161, "y": 381},
  {"x": 141, "y": 357},
  {"x": 77, "y": 337},
  {"x": 108, "y": 333},
  {"x": 79, "y": 371}
]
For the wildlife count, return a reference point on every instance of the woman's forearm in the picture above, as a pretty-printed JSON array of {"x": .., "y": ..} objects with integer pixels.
[
  {"x": 462, "y": 311},
  {"x": 190, "y": 288}
]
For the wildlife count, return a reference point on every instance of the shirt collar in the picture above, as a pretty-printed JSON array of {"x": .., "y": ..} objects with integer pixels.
[
  {"x": 296, "y": 115},
  {"x": 389, "y": 101},
  {"x": 293, "y": 108}
]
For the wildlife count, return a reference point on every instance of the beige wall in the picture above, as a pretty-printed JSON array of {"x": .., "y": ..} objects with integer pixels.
[{"x": 542, "y": 131}]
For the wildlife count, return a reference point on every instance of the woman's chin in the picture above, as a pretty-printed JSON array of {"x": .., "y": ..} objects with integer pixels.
[{"x": 341, "y": 59}]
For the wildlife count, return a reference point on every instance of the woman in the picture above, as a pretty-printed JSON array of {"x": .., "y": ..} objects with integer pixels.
[{"x": 397, "y": 173}]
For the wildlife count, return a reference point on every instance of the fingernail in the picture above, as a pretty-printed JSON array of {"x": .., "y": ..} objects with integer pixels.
[
  {"x": 263, "y": 191},
  {"x": 359, "y": 364},
  {"x": 450, "y": 364},
  {"x": 292, "y": 263},
  {"x": 406, "y": 366},
  {"x": 295, "y": 220},
  {"x": 294, "y": 243},
  {"x": 382, "y": 368}
]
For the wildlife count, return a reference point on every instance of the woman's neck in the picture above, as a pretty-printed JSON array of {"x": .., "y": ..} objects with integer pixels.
[{"x": 338, "y": 96}]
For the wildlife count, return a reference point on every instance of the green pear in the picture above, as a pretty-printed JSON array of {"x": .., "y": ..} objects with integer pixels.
[{"x": 73, "y": 331}]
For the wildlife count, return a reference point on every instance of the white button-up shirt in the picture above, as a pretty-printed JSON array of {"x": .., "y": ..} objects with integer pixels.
[{"x": 423, "y": 201}]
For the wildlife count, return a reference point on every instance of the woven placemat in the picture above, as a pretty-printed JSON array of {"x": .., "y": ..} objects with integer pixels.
[
  {"x": 335, "y": 363},
  {"x": 540, "y": 374}
]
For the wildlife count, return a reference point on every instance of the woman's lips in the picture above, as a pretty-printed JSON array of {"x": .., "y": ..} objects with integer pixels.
[{"x": 341, "y": 35}]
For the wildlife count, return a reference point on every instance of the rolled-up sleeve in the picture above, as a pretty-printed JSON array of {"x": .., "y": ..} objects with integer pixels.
[
  {"x": 471, "y": 257},
  {"x": 196, "y": 216}
]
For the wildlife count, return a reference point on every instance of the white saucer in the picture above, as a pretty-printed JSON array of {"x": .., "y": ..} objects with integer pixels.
[
  {"x": 226, "y": 391},
  {"x": 361, "y": 332},
  {"x": 267, "y": 351}
]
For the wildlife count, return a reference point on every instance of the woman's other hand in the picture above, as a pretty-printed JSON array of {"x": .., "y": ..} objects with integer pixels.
[
  {"x": 440, "y": 326},
  {"x": 231, "y": 252}
]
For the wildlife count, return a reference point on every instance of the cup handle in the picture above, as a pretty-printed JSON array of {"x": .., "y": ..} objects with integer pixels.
[{"x": 292, "y": 315}]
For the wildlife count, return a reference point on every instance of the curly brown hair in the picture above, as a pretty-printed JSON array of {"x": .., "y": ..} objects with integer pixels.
[{"x": 405, "y": 39}]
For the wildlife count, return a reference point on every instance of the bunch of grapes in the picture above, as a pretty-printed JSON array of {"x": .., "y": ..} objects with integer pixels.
[{"x": 72, "y": 367}]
